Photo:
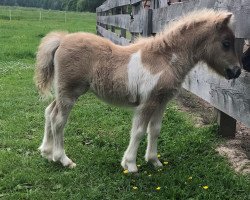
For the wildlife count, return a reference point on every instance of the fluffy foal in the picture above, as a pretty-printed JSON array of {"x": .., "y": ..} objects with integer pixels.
[{"x": 144, "y": 75}]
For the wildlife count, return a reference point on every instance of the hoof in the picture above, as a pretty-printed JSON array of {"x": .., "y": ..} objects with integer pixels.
[
  {"x": 66, "y": 162},
  {"x": 130, "y": 166},
  {"x": 72, "y": 165},
  {"x": 155, "y": 162},
  {"x": 46, "y": 153}
]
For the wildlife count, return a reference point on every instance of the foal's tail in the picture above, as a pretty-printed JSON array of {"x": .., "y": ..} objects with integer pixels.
[{"x": 44, "y": 72}]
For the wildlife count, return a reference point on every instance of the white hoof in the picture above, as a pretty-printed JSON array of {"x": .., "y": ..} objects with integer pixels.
[
  {"x": 130, "y": 166},
  {"x": 72, "y": 165},
  {"x": 66, "y": 162},
  {"x": 155, "y": 162},
  {"x": 46, "y": 153}
]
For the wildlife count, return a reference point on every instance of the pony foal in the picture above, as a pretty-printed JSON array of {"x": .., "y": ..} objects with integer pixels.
[{"x": 144, "y": 75}]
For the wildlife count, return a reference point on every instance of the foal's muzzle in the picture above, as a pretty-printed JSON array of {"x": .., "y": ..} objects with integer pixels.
[{"x": 233, "y": 73}]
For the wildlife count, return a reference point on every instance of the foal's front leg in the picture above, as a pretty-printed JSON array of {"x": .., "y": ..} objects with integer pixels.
[
  {"x": 139, "y": 125},
  {"x": 153, "y": 132}
]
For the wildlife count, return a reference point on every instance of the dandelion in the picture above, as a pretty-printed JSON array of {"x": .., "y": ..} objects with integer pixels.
[
  {"x": 205, "y": 187},
  {"x": 135, "y": 188},
  {"x": 158, "y": 156},
  {"x": 125, "y": 171},
  {"x": 190, "y": 178},
  {"x": 165, "y": 163},
  {"x": 158, "y": 188}
]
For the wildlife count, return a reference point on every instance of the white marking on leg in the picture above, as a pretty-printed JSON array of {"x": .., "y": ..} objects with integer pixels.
[
  {"x": 58, "y": 121},
  {"x": 140, "y": 81},
  {"x": 46, "y": 147},
  {"x": 137, "y": 132}
]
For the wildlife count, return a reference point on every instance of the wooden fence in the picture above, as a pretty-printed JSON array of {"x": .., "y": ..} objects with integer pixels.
[{"x": 123, "y": 20}]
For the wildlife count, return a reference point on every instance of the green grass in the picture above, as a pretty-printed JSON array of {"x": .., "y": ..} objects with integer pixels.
[{"x": 96, "y": 136}]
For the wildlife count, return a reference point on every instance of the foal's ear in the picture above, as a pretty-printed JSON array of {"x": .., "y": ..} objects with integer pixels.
[{"x": 225, "y": 20}]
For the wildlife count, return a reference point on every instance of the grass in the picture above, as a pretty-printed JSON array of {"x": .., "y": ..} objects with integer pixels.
[{"x": 96, "y": 137}]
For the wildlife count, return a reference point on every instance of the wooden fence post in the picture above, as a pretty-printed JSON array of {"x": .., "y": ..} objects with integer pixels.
[
  {"x": 113, "y": 12},
  {"x": 123, "y": 31},
  {"x": 227, "y": 124},
  {"x": 147, "y": 22}
]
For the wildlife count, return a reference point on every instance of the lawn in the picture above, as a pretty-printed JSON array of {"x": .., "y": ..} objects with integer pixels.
[{"x": 96, "y": 136}]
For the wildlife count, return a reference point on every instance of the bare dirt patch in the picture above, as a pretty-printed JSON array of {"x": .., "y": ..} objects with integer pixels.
[{"x": 237, "y": 150}]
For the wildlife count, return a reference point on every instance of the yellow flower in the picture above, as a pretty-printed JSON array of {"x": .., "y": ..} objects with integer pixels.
[
  {"x": 205, "y": 187},
  {"x": 165, "y": 163},
  {"x": 158, "y": 188},
  {"x": 158, "y": 156},
  {"x": 135, "y": 188},
  {"x": 190, "y": 178},
  {"x": 125, "y": 171}
]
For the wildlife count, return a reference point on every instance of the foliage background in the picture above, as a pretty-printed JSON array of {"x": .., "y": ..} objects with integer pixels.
[{"x": 69, "y": 5}]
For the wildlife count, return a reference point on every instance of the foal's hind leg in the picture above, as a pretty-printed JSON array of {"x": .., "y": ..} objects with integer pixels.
[
  {"x": 153, "y": 131},
  {"x": 59, "y": 116},
  {"x": 46, "y": 147}
]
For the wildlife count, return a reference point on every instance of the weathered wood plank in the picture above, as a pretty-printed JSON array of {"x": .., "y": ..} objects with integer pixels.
[
  {"x": 241, "y": 11},
  {"x": 109, "y": 4},
  {"x": 112, "y": 36},
  {"x": 164, "y": 15},
  {"x": 231, "y": 97},
  {"x": 123, "y": 21},
  {"x": 147, "y": 22}
]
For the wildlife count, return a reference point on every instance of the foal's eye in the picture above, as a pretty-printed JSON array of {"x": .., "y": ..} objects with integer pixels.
[{"x": 226, "y": 44}]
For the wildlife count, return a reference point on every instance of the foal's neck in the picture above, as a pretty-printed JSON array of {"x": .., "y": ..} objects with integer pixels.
[{"x": 183, "y": 47}]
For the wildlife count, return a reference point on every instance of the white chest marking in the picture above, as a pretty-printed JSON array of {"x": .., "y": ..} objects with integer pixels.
[{"x": 140, "y": 81}]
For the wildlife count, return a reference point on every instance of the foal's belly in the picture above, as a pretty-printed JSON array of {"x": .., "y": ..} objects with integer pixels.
[{"x": 114, "y": 93}]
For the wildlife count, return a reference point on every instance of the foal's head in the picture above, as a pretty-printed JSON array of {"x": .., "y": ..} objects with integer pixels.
[{"x": 219, "y": 48}]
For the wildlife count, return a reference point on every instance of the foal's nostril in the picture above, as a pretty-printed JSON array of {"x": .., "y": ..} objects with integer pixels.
[
  {"x": 233, "y": 73},
  {"x": 230, "y": 73}
]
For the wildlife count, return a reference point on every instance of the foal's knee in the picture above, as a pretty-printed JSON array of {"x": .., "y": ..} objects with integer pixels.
[{"x": 138, "y": 132}]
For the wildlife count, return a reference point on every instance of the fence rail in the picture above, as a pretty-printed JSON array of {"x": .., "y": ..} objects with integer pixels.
[{"x": 232, "y": 98}]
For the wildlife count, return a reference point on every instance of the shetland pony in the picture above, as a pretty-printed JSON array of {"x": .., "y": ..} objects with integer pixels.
[{"x": 144, "y": 75}]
